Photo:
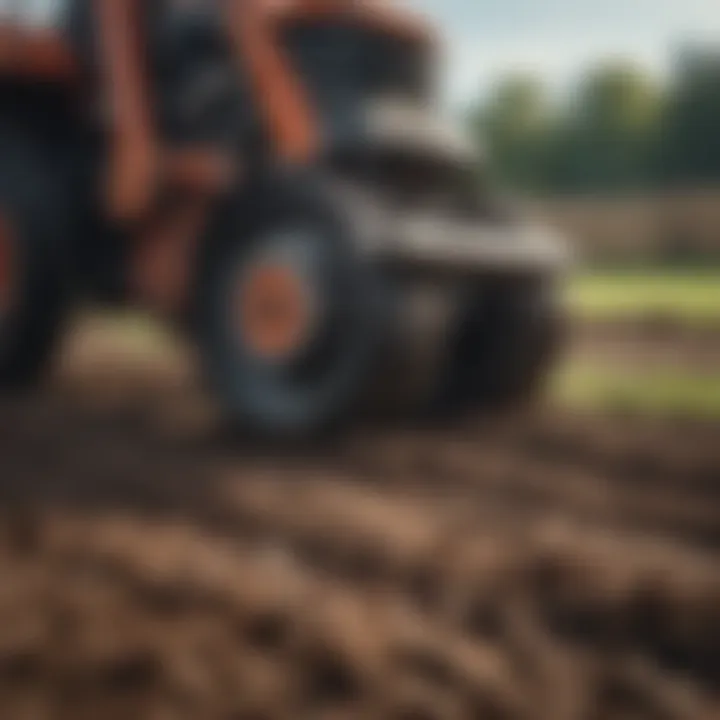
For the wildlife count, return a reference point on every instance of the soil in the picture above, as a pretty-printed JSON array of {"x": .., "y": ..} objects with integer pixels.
[
  {"x": 649, "y": 344},
  {"x": 554, "y": 566}
]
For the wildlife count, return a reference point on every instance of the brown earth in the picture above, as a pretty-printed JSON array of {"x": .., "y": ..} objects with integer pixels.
[
  {"x": 665, "y": 227},
  {"x": 557, "y": 567},
  {"x": 649, "y": 343}
]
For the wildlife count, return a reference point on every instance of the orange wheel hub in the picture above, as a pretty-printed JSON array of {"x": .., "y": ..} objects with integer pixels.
[
  {"x": 6, "y": 265},
  {"x": 274, "y": 311}
]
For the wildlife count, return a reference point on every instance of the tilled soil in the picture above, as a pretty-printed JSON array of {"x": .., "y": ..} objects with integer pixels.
[{"x": 553, "y": 567}]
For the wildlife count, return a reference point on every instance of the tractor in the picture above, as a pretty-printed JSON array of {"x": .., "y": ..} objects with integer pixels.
[{"x": 276, "y": 180}]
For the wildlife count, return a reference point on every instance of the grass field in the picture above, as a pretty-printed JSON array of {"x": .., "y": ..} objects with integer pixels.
[
  {"x": 672, "y": 391},
  {"x": 683, "y": 297},
  {"x": 687, "y": 296}
]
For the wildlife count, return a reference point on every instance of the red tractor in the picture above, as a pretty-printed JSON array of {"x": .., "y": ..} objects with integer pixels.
[{"x": 274, "y": 177}]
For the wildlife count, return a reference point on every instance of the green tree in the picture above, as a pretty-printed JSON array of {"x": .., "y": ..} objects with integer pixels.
[
  {"x": 690, "y": 149},
  {"x": 513, "y": 126},
  {"x": 603, "y": 139},
  {"x": 619, "y": 131},
  {"x": 607, "y": 138}
]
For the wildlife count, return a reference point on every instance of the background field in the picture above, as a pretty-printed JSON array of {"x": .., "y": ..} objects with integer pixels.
[
  {"x": 645, "y": 340},
  {"x": 675, "y": 296},
  {"x": 674, "y": 228}
]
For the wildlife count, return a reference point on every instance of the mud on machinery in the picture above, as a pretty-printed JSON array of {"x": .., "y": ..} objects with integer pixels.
[{"x": 273, "y": 177}]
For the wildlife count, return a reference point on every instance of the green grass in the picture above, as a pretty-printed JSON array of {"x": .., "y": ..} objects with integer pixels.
[
  {"x": 672, "y": 391},
  {"x": 689, "y": 296},
  {"x": 684, "y": 296}
]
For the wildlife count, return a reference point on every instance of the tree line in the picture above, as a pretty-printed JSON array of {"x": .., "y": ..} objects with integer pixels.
[{"x": 620, "y": 130}]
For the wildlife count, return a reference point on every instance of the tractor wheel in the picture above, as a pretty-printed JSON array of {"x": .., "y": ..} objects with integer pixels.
[
  {"x": 285, "y": 318},
  {"x": 32, "y": 281},
  {"x": 507, "y": 339}
]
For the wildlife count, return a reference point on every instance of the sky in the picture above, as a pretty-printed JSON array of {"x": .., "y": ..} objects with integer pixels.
[{"x": 556, "y": 39}]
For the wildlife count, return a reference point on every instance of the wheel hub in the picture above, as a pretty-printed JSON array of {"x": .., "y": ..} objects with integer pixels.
[{"x": 275, "y": 311}]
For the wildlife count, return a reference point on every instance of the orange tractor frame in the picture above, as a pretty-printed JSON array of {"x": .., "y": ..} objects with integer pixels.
[
  {"x": 137, "y": 163},
  {"x": 80, "y": 74}
]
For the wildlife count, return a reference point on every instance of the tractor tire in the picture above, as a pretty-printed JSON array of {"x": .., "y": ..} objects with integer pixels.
[
  {"x": 33, "y": 228},
  {"x": 285, "y": 316},
  {"x": 507, "y": 339}
]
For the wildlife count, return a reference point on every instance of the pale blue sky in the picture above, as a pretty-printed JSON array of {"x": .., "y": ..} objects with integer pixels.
[{"x": 557, "y": 38}]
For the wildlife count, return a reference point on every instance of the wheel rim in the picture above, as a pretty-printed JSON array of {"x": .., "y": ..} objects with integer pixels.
[
  {"x": 300, "y": 383},
  {"x": 6, "y": 266}
]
